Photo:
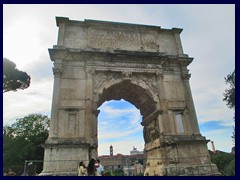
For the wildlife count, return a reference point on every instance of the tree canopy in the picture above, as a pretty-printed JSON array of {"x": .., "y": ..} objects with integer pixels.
[
  {"x": 229, "y": 95},
  {"x": 13, "y": 79},
  {"x": 225, "y": 163},
  {"x": 22, "y": 140}
]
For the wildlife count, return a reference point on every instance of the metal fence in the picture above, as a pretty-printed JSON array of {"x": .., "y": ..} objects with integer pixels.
[{"x": 35, "y": 167}]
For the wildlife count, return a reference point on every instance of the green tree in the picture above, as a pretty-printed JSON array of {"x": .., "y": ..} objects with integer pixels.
[
  {"x": 225, "y": 163},
  {"x": 13, "y": 79},
  {"x": 22, "y": 140},
  {"x": 230, "y": 168},
  {"x": 118, "y": 172},
  {"x": 107, "y": 173},
  {"x": 229, "y": 95}
]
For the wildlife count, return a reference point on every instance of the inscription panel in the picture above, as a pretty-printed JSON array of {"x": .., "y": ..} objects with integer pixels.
[
  {"x": 75, "y": 37},
  {"x": 114, "y": 39},
  {"x": 108, "y": 37}
]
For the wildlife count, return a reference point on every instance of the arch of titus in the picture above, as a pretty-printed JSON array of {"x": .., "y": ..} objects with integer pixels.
[{"x": 97, "y": 61}]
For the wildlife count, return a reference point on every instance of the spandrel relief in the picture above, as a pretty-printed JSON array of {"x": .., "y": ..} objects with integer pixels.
[
  {"x": 103, "y": 77},
  {"x": 149, "y": 80}
]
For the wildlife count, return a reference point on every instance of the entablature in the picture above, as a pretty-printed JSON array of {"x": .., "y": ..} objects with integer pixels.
[{"x": 143, "y": 59}]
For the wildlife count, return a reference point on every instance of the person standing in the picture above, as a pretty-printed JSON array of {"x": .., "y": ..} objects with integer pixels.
[
  {"x": 92, "y": 169},
  {"x": 80, "y": 170},
  {"x": 11, "y": 172},
  {"x": 100, "y": 168},
  {"x": 85, "y": 170}
]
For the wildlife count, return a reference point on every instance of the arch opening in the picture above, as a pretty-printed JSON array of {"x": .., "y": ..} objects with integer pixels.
[
  {"x": 119, "y": 126},
  {"x": 135, "y": 94}
]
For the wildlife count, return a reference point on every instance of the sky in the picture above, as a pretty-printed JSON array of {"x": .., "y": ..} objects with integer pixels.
[{"x": 208, "y": 36}]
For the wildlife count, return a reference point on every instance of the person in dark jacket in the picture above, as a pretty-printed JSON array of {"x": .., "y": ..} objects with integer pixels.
[{"x": 92, "y": 169}]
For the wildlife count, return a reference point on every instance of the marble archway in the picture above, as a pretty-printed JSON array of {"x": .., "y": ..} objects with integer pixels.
[{"x": 95, "y": 61}]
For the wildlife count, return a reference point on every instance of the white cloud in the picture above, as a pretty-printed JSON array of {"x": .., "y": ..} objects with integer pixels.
[
  {"x": 35, "y": 99},
  {"x": 118, "y": 123},
  {"x": 121, "y": 127},
  {"x": 121, "y": 133},
  {"x": 116, "y": 112},
  {"x": 220, "y": 139}
]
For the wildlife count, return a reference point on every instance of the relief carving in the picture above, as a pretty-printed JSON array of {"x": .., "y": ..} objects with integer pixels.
[
  {"x": 127, "y": 74},
  {"x": 121, "y": 39},
  {"x": 149, "y": 41},
  {"x": 99, "y": 79},
  {"x": 131, "y": 65},
  {"x": 154, "y": 133},
  {"x": 89, "y": 72},
  {"x": 151, "y": 131},
  {"x": 102, "y": 77},
  {"x": 150, "y": 44},
  {"x": 145, "y": 135},
  {"x": 149, "y": 80},
  {"x": 57, "y": 71},
  {"x": 113, "y": 39}
]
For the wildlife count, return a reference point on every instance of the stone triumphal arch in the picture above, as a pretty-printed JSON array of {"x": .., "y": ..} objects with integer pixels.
[{"x": 97, "y": 61}]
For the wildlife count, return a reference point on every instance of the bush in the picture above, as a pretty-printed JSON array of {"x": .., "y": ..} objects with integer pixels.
[
  {"x": 118, "y": 172},
  {"x": 107, "y": 173},
  {"x": 225, "y": 163},
  {"x": 230, "y": 169}
]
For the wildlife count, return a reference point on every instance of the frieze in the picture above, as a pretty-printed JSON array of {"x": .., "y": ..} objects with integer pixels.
[
  {"x": 74, "y": 63},
  {"x": 131, "y": 65}
]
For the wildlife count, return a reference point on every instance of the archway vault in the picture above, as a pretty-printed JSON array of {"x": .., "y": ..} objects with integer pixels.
[{"x": 141, "y": 98}]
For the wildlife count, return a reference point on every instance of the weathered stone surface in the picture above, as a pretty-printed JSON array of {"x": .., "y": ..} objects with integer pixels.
[{"x": 97, "y": 61}]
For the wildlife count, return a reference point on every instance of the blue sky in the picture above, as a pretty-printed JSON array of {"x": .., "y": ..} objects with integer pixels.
[
  {"x": 119, "y": 125},
  {"x": 208, "y": 36}
]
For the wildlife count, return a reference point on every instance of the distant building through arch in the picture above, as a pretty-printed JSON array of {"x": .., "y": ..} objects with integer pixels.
[
  {"x": 135, "y": 151},
  {"x": 111, "y": 150}
]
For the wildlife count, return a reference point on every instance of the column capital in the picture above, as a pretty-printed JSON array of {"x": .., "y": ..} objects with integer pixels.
[
  {"x": 57, "y": 71},
  {"x": 89, "y": 72},
  {"x": 159, "y": 74},
  {"x": 186, "y": 76}
]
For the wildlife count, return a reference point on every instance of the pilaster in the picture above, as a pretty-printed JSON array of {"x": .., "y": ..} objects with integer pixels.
[
  {"x": 57, "y": 71},
  {"x": 190, "y": 105}
]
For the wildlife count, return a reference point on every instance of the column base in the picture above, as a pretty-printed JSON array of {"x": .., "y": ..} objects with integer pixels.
[
  {"x": 179, "y": 155},
  {"x": 182, "y": 170},
  {"x": 58, "y": 173},
  {"x": 61, "y": 156}
]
